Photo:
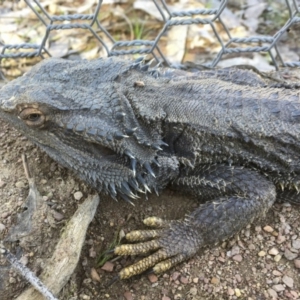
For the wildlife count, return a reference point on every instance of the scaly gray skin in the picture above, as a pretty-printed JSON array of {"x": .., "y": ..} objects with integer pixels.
[{"x": 223, "y": 136}]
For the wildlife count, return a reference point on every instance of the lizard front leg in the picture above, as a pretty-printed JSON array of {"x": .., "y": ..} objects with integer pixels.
[{"x": 235, "y": 197}]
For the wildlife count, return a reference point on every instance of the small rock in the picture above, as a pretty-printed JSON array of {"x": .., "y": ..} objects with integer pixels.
[
  {"x": 230, "y": 291},
  {"x": 184, "y": 280},
  {"x": 57, "y": 216},
  {"x": 165, "y": 298},
  {"x": 221, "y": 259},
  {"x": 251, "y": 247},
  {"x": 288, "y": 281},
  {"x": 12, "y": 280},
  {"x": 94, "y": 275},
  {"x": 92, "y": 252},
  {"x": 196, "y": 280},
  {"x": 24, "y": 260},
  {"x": 238, "y": 277},
  {"x": 273, "y": 251},
  {"x": 276, "y": 273},
  {"x": 193, "y": 291},
  {"x": 128, "y": 295},
  {"x": 2, "y": 227},
  {"x": 297, "y": 263},
  {"x": 43, "y": 181},
  {"x": 238, "y": 292},
  {"x": 20, "y": 184},
  {"x": 277, "y": 257},
  {"x": 152, "y": 278},
  {"x": 278, "y": 287},
  {"x": 2, "y": 184},
  {"x": 175, "y": 276},
  {"x": 280, "y": 239},
  {"x": 235, "y": 250},
  {"x": 289, "y": 255},
  {"x": 294, "y": 294},
  {"x": 108, "y": 266},
  {"x": 268, "y": 229},
  {"x": 272, "y": 293},
  {"x": 296, "y": 244},
  {"x": 261, "y": 253},
  {"x": 78, "y": 195},
  {"x": 237, "y": 258},
  {"x": 215, "y": 280}
]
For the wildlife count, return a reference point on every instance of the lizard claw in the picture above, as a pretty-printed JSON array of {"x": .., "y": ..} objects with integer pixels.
[{"x": 171, "y": 244}]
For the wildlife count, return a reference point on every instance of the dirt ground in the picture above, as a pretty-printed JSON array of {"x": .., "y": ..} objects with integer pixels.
[{"x": 262, "y": 263}]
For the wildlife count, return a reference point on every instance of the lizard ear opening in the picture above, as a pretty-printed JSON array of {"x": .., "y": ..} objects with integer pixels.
[{"x": 33, "y": 117}]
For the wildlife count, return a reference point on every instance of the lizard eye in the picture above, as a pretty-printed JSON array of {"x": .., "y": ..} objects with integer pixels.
[{"x": 32, "y": 117}]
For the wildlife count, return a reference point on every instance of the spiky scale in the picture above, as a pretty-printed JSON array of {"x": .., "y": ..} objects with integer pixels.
[
  {"x": 129, "y": 154},
  {"x": 156, "y": 147},
  {"x": 133, "y": 166},
  {"x": 131, "y": 131},
  {"x": 120, "y": 136},
  {"x": 149, "y": 169},
  {"x": 143, "y": 182}
]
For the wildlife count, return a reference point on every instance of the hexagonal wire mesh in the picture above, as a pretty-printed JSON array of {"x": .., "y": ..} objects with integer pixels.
[{"x": 137, "y": 46}]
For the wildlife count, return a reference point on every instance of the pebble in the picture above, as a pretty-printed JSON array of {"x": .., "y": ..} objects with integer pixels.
[
  {"x": 251, "y": 247},
  {"x": 268, "y": 229},
  {"x": 215, "y": 280},
  {"x": 2, "y": 227},
  {"x": 128, "y": 295},
  {"x": 238, "y": 277},
  {"x": 94, "y": 275},
  {"x": 278, "y": 287},
  {"x": 165, "y": 298},
  {"x": 296, "y": 244},
  {"x": 273, "y": 251},
  {"x": 175, "y": 276},
  {"x": 2, "y": 184},
  {"x": 277, "y": 258},
  {"x": 230, "y": 291},
  {"x": 57, "y": 216},
  {"x": 20, "y": 184},
  {"x": 272, "y": 293},
  {"x": 238, "y": 292},
  {"x": 297, "y": 263},
  {"x": 235, "y": 250},
  {"x": 92, "y": 252},
  {"x": 108, "y": 266},
  {"x": 196, "y": 280},
  {"x": 280, "y": 239},
  {"x": 193, "y": 291},
  {"x": 276, "y": 273},
  {"x": 221, "y": 259},
  {"x": 184, "y": 280},
  {"x": 12, "y": 280},
  {"x": 24, "y": 260},
  {"x": 237, "y": 258},
  {"x": 78, "y": 195},
  {"x": 289, "y": 255},
  {"x": 261, "y": 253},
  {"x": 152, "y": 278},
  {"x": 288, "y": 281}
]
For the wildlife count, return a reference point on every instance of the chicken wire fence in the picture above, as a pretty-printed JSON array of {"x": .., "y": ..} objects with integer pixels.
[{"x": 170, "y": 18}]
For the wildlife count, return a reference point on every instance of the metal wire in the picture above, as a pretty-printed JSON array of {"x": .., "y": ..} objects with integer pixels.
[{"x": 182, "y": 17}]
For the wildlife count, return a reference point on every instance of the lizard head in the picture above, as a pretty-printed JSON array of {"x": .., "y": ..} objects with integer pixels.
[{"x": 79, "y": 115}]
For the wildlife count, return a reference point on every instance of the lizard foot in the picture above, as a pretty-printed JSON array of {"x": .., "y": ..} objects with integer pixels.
[{"x": 173, "y": 243}]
